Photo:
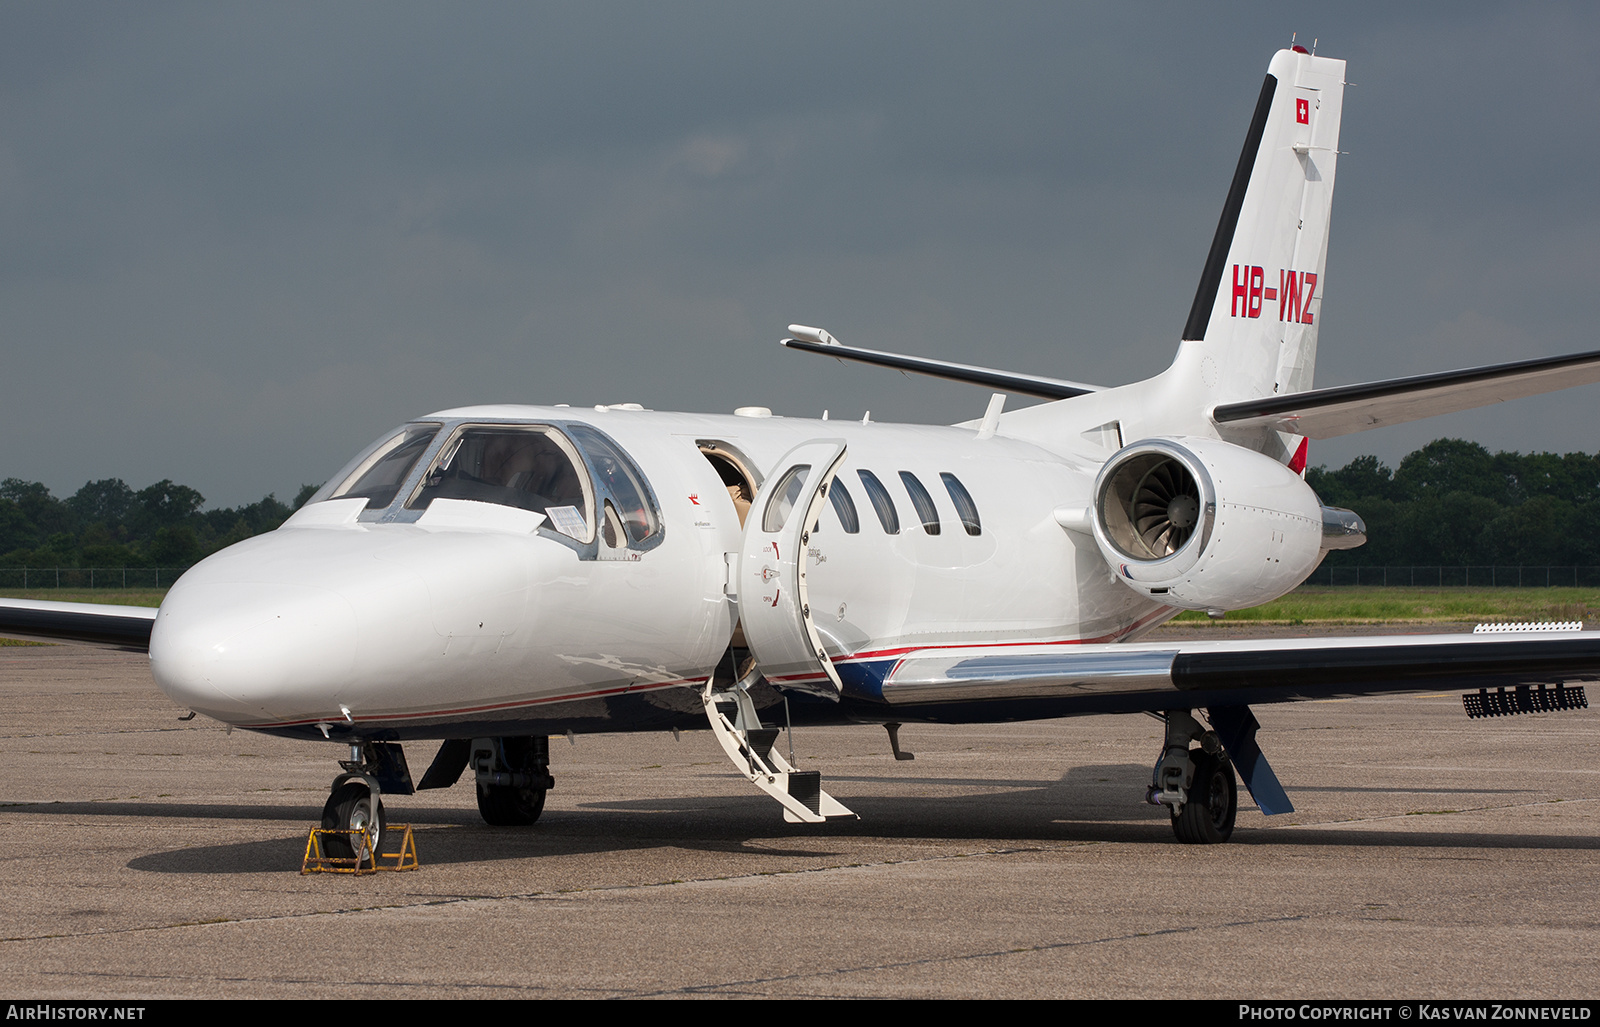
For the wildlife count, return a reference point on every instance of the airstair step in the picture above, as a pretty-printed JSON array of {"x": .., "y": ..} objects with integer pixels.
[
  {"x": 806, "y": 786},
  {"x": 761, "y": 740}
]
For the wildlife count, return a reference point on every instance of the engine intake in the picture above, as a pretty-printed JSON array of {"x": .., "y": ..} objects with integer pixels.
[
  {"x": 1151, "y": 502},
  {"x": 1204, "y": 524}
]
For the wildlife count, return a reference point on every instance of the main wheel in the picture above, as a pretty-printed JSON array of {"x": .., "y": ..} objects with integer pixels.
[
  {"x": 509, "y": 806},
  {"x": 1208, "y": 816},
  {"x": 352, "y": 807}
]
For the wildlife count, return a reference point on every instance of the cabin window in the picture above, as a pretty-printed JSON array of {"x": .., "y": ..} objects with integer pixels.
[
  {"x": 843, "y": 507},
  {"x": 377, "y": 478},
  {"x": 926, "y": 512},
  {"x": 882, "y": 505},
  {"x": 966, "y": 509},
  {"x": 783, "y": 501},
  {"x": 528, "y": 467}
]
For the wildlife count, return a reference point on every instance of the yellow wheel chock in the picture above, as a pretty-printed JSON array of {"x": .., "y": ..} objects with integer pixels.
[{"x": 317, "y": 862}]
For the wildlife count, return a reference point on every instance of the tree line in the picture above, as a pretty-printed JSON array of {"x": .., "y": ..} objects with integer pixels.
[
  {"x": 107, "y": 524},
  {"x": 1452, "y": 502}
]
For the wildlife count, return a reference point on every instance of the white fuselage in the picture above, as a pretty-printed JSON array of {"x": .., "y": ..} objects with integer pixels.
[{"x": 468, "y": 618}]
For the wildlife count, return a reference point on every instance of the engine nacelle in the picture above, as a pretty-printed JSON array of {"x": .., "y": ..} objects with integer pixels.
[{"x": 1204, "y": 524}]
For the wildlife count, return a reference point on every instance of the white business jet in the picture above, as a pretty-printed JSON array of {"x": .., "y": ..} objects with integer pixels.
[{"x": 491, "y": 576}]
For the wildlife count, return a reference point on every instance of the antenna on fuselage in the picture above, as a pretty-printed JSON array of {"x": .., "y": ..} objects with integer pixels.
[{"x": 991, "y": 416}]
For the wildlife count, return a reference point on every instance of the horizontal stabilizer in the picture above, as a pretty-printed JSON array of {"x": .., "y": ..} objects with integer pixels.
[
  {"x": 1345, "y": 409},
  {"x": 1005, "y": 381},
  {"x": 98, "y": 624}
]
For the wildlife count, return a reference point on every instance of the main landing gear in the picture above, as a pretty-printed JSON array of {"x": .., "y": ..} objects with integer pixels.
[
  {"x": 1197, "y": 786},
  {"x": 513, "y": 776}
]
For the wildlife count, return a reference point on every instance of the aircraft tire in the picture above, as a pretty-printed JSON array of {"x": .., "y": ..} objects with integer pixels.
[
  {"x": 350, "y": 808},
  {"x": 509, "y": 806},
  {"x": 1208, "y": 816}
]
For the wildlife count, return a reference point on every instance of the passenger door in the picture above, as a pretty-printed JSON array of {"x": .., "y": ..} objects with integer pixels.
[{"x": 773, "y": 601}]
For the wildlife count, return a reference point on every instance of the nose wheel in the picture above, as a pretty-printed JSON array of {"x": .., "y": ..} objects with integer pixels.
[{"x": 353, "y": 807}]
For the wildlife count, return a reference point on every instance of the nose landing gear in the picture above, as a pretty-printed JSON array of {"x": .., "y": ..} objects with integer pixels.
[
  {"x": 355, "y": 802},
  {"x": 357, "y": 808}
]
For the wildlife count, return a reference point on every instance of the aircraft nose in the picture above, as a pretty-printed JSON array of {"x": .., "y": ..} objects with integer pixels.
[
  {"x": 239, "y": 651},
  {"x": 311, "y": 625}
]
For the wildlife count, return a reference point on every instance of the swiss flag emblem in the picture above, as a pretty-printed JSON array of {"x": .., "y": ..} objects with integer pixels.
[{"x": 1302, "y": 111}]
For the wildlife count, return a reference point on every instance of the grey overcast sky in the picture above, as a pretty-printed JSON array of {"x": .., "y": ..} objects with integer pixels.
[{"x": 241, "y": 240}]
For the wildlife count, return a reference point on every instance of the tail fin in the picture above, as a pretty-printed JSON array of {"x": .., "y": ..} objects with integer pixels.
[{"x": 1260, "y": 296}]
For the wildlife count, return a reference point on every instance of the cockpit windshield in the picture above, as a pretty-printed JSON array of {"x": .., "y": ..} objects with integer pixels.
[
  {"x": 380, "y": 474},
  {"x": 529, "y": 467}
]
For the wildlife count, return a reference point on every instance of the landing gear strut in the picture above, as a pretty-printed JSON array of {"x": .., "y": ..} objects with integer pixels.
[
  {"x": 513, "y": 776},
  {"x": 1197, "y": 786}
]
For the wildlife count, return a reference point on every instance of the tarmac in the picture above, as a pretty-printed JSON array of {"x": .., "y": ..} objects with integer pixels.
[{"x": 1430, "y": 856}]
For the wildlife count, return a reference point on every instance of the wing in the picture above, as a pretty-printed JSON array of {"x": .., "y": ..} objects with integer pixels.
[
  {"x": 1000, "y": 683},
  {"x": 1062, "y": 680},
  {"x": 98, "y": 624}
]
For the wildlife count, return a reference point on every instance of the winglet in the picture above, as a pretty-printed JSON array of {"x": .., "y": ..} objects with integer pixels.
[{"x": 816, "y": 335}]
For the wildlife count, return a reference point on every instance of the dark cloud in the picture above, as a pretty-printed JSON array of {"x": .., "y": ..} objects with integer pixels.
[{"x": 237, "y": 241}]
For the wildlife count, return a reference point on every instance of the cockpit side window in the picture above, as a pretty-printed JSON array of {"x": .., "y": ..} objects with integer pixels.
[
  {"x": 618, "y": 475},
  {"x": 379, "y": 476},
  {"x": 530, "y": 467}
]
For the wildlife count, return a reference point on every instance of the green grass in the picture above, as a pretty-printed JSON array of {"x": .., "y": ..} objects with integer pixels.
[
  {"x": 1319, "y": 604},
  {"x": 112, "y": 596}
]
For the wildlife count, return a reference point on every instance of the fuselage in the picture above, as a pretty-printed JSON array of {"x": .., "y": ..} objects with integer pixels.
[{"x": 439, "y": 608}]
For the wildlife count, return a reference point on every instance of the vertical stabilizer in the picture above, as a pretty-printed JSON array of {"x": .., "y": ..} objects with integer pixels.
[{"x": 1260, "y": 298}]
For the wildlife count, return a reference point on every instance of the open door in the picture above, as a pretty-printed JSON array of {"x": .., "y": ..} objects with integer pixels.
[{"x": 773, "y": 606}]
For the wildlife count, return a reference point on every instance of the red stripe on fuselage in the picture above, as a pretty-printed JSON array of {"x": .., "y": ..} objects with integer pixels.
[{"x": 487, "y": 707}]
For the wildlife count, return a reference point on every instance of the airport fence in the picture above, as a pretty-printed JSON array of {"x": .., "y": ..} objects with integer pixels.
[
  {"x": 1496, "y": 576},
  {"x": 88, "y": 577}
]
